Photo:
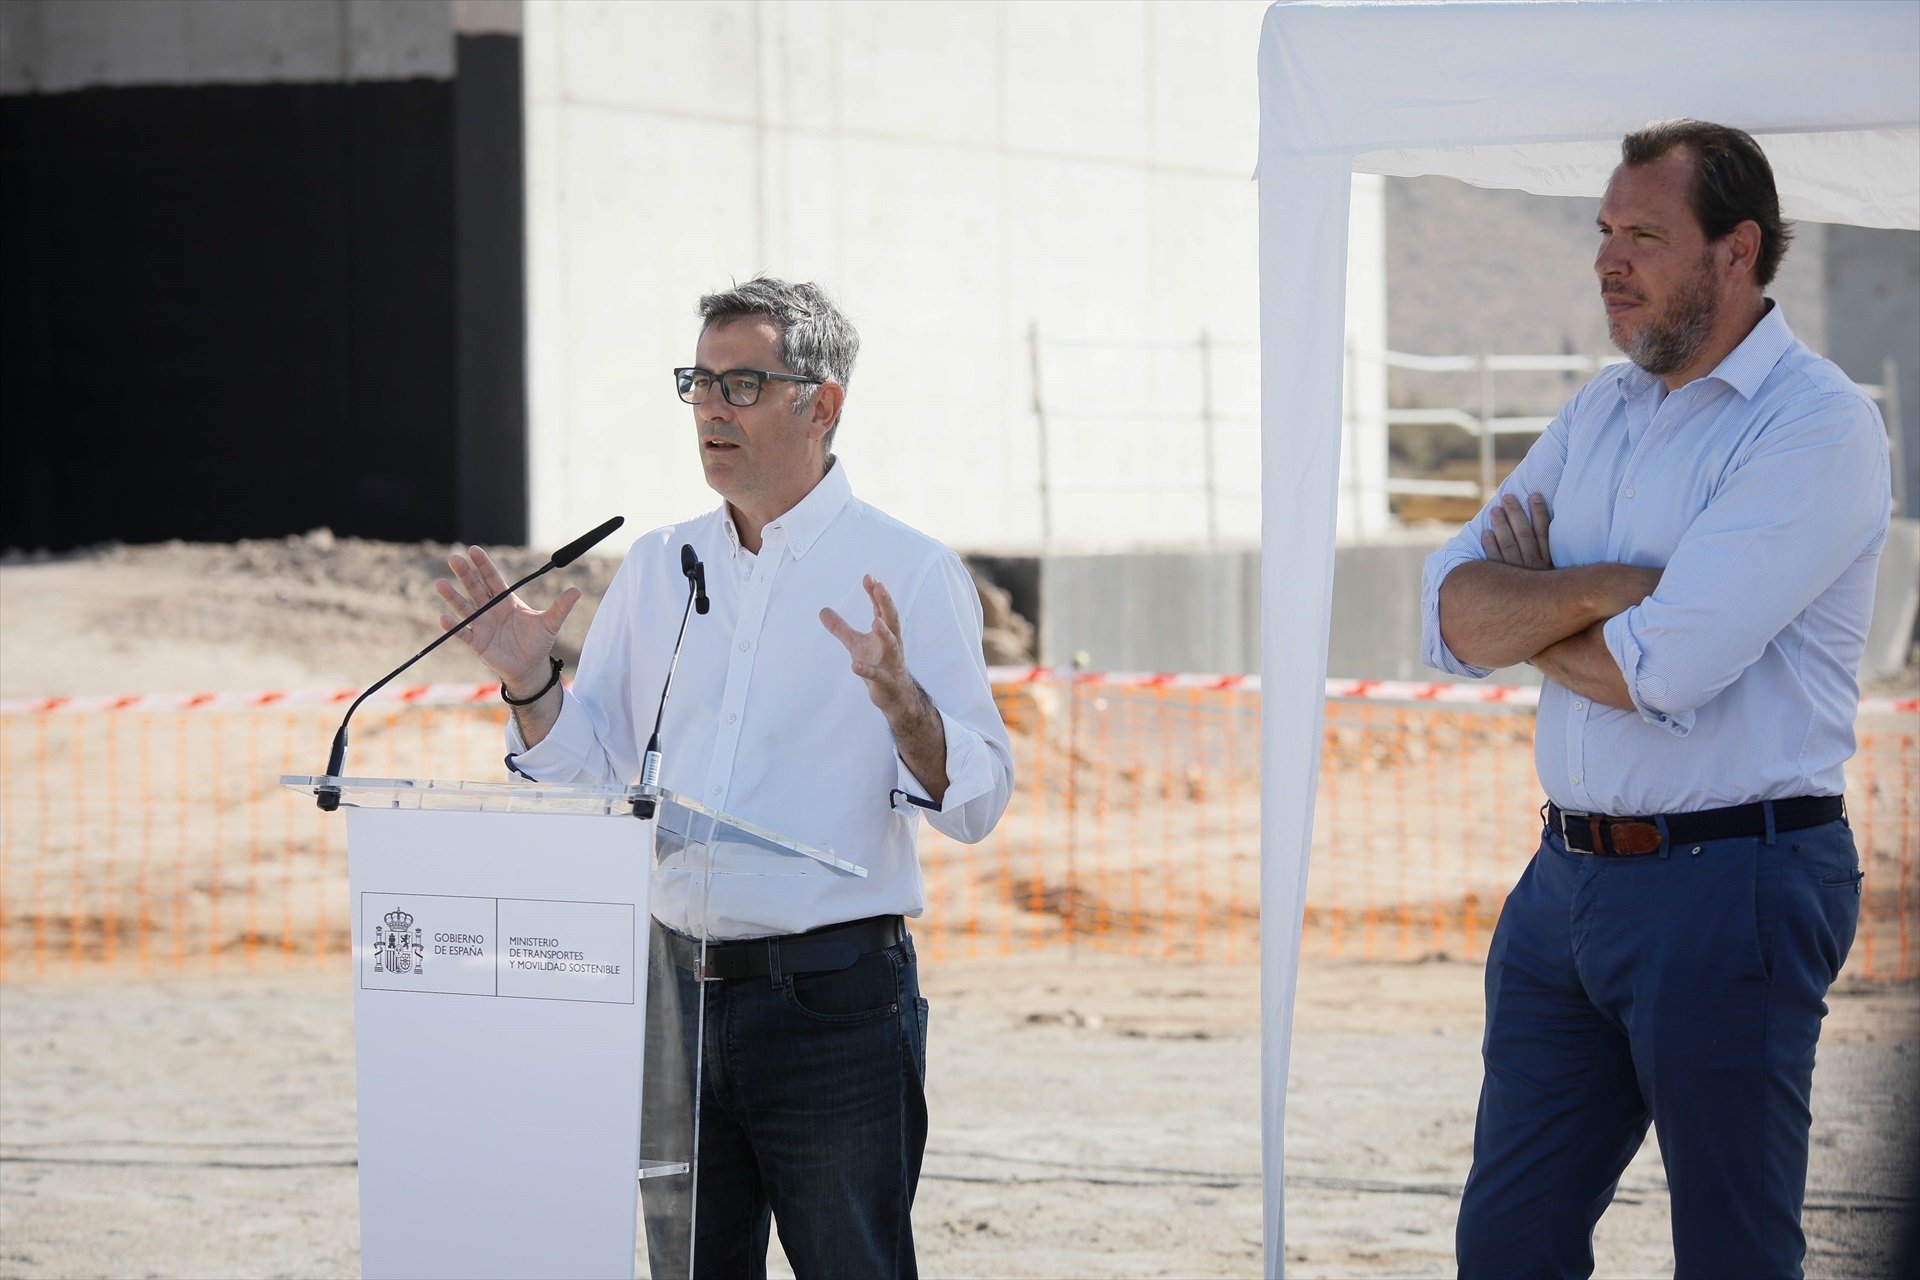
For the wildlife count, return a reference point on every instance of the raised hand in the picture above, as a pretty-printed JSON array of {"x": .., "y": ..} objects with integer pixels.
[
  {"x": 881, "y": 661},
  {"x": 512, "y": 639},
  {"x": 1517, "y": 535},
  {"x": 878, "y": 655}
]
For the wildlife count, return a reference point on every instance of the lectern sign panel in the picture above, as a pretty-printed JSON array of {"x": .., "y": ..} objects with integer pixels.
[
  {"x": 427, "y": 942},
  {"x": 520, "y": 948},
  {"x": 566, "y": 950}
]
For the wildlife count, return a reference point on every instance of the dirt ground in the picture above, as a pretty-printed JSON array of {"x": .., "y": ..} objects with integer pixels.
[{"x": 1091, "y": 1116}]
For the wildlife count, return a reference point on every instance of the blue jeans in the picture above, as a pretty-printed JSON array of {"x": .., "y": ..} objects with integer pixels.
[
  {"x": 813, "y": 1115},
  {"x": 1685, "y": 989}
]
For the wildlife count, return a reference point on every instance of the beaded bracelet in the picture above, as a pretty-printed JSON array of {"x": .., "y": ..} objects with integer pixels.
[{"x": 552, "y": 680}]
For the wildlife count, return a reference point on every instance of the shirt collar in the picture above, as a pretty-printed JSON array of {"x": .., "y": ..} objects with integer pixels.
[
  {"x": 803, "y": 524},
  {"x": 1745, "y": 367}
]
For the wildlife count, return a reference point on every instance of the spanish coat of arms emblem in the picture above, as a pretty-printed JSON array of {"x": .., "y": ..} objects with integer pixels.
[{"x": 397, "y": 946}]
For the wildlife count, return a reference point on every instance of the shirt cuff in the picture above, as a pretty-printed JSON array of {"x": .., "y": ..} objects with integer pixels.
[
  {"x": 1433, "y": 649},
  {"x": 561, "y": 755},
  {"x": 1644, "y": 689},
  {"x": 969, "y": 773}
]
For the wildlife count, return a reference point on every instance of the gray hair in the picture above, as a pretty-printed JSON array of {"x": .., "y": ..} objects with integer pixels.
[{"x": 816, "y": 339}]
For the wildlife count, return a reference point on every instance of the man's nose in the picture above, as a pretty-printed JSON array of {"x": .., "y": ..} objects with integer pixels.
[
  {"x": 1609, "y": 260},
  {"x": 714, "y": 404}
]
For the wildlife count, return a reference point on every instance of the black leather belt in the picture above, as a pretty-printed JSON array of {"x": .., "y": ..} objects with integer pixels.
[
  {"x": 1610, "y": 837},
  {"x": 836, "y": 946}
]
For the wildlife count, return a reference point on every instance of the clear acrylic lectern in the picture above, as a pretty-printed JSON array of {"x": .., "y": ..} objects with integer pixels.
[{"x": 525, "y": 1038}]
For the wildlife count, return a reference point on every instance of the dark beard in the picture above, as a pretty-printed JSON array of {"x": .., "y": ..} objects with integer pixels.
[{"x": 1674, "y": 339}]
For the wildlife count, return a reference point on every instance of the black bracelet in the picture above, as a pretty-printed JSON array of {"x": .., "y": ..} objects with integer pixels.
[{"x": 552, "y": 680}]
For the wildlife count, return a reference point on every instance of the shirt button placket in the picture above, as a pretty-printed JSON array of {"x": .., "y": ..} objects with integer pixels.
[
  {"x": 1576, "y": 735},
  {"x": 726, "y": 743}
]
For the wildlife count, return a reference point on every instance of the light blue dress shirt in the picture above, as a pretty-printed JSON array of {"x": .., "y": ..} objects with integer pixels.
[{"x": 1763, "y": 490}]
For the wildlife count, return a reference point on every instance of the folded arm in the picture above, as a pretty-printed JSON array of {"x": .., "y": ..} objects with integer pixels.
[
  {"x": 1805, "y": 502},
  {"x": 1514, "y": 606},
  {"x": 1494, "y": 614},
  {"x": 1583, "y": 663}
]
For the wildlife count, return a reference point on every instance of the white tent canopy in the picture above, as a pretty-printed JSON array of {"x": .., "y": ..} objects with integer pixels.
[{"x": 1528, "y": 95}]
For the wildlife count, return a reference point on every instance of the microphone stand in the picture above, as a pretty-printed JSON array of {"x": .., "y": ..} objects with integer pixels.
[
  {"x": 645, "y": 807},
  {"x": 327, "y": 796}
]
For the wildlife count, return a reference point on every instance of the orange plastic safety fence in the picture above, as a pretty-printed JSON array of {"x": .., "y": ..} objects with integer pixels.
[{"x": 160, "y": 841}]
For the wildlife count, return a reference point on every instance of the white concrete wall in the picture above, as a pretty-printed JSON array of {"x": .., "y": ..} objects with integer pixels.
[
  {"x": 1872, "y": 279},
  {"x": 956, "y": 173},
  {"x": 1200, "y": 611}
]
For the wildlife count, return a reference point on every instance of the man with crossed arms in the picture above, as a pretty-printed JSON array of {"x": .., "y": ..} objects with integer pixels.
[
  {"x": 1687, "y": 556},
  {"x": 813, "y": 1103}
]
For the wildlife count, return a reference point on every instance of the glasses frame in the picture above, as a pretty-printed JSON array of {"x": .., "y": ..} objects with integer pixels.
[{"x": 720, "y": 380}]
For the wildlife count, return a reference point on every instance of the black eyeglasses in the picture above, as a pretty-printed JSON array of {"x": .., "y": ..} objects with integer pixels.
[{"x": 740, "y": 387}]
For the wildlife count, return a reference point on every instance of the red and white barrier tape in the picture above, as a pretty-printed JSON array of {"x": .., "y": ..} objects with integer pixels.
[
  {"x": 423, "y": 695},
  {"x": 442, "y": 695},
  {"x": 1509, "y": 695},
  {"x": 1381, "y": 690}
]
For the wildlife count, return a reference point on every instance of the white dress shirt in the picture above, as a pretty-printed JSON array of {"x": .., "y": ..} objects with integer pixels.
[
  {"x": 767, "y": 720},
  {"x": 1763, "y": 490}
]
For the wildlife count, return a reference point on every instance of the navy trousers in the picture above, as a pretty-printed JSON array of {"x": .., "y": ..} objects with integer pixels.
[
  {"x": 813, "y": 1119},
  {"x": 1683, "y": 988}
]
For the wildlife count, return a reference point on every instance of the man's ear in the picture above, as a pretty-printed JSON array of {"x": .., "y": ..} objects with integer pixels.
[
  {"x": 824, "y": 410},
  {"x": 1742, "y": 245}
]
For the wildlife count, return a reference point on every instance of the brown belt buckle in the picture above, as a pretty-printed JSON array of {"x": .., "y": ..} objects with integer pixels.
[{"x": 1609, "y": 837}]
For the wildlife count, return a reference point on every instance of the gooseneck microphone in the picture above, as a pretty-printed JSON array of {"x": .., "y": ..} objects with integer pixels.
[
  {"x": 572, "y": 551},
  {"x": 328, "y": 796},
  {"x": 696, "y": 575}
]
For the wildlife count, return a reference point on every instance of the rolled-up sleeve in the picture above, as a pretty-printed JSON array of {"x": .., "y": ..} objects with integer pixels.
[
  {"x": 1433, "y": 648},
  {"x": 1539, "y": 472},
  {"x": 1647, "y": 687},
  {"x": 979, "y": 784},
  {"x": 1807, "y": 499},
  {"x": 571, "y": 751},
  {"x": 942, "y": 636}
]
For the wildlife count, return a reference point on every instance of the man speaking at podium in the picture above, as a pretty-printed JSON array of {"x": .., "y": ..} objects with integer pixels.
[{"x": 813, "y": 1110}]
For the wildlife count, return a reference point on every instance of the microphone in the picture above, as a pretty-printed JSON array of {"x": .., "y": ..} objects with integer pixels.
[
  {"x": 696, "y": 575},
  {"x": 572, "y": 551},
  {"x": 328, "y": 797}
]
